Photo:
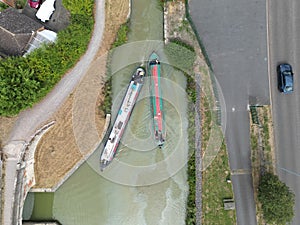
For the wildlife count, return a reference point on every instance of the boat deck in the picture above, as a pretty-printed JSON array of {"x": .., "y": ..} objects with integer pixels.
[
  {"x": 156, "y": 100},
  {"x": 123, "y": 116}
]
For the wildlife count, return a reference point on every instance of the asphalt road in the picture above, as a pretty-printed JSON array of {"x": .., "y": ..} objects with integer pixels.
[
  {"x": 284, "y": 30},
  {"x": 235, "y": 38}
]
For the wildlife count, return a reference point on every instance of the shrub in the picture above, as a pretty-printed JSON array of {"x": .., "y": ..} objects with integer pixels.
[{"x": 276, "y": 199}]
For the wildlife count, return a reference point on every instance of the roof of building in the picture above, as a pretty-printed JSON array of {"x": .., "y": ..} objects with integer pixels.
[
  {"x": 17, "y": 23},
  {"x": 16, "y": 29}
]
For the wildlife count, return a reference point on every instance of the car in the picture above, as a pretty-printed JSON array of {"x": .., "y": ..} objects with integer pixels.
[
  {"x": 34, "y": 3},
  {"x": 285, "y": 78},
  {"x": 46, "y": 10}
]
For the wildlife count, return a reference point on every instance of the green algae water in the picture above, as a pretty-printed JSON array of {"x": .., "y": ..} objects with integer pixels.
[{"x": 144, "y": 185}]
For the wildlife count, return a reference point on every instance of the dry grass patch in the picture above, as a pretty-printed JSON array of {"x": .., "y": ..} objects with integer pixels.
[{"x": 6, "y": 124}]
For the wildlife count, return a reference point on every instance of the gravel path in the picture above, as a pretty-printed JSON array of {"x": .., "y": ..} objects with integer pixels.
[{"x": 30, "y": 120}]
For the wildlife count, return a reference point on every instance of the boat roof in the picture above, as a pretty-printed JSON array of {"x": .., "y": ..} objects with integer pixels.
[{"x": 154, "y": 56}]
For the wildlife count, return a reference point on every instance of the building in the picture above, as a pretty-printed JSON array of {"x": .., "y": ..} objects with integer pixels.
[{"x": 16, "y": 30}]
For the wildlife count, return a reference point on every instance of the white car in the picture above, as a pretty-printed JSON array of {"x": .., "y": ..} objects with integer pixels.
[{"x": 45, "y": 10}]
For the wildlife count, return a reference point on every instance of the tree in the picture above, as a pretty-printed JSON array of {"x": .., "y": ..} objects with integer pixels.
[{"x": 277, "y": 200}]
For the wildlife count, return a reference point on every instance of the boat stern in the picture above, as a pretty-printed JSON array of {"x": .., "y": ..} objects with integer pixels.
[
  {"x": 103, "y": 164},
  {"x": 160, "y": 139}
]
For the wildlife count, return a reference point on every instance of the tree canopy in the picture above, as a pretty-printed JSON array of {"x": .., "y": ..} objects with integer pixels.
[{"x": 277, "y": 200}]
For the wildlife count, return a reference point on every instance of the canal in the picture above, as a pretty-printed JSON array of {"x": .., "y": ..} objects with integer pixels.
[{"x": 144, "y": 185}]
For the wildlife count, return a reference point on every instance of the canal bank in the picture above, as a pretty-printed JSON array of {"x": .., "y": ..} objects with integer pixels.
[{"x": 77, "y": 165}]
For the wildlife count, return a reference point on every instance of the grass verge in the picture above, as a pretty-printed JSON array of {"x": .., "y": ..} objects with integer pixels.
[
  {"x": 191, "y": 169},
  {"x": 261, "y": 152},
  {"x": 215, "y": 188}
]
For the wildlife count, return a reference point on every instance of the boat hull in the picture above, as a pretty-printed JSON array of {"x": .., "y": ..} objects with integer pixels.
[
  {"x": 122, "y": 118},
  {"x": 156, "y": 99}
]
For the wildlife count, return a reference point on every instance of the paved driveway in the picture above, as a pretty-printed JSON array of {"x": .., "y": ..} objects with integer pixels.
[{"x": 234, "y": 35}]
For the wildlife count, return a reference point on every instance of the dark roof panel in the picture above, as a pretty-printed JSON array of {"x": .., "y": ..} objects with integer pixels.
[
  {"x": 13, "y": 45},
  {"x": 17, "y": 23}
]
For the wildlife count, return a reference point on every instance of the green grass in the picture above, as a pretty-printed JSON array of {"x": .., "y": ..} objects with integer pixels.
[
  {"x": 180, "y": 55},
  {"x": 215, "y": 189},
  {"x": 3, "y": 6},
  {"x": 254, "y": 141},
  {"x": 191, "y": 204},
  {"x": 207, "y": 123},
  {"x": 266, "y": 132},
  {"x": 121, "y": 35}
]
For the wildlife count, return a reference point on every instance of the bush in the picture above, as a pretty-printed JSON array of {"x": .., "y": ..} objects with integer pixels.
[
  {"x": 191, "y": 209},
  {"x": 276, "y": 199},
  {"x": 121, "y": 35},
  {"x": 107, "y": 92},
  {"x": 3, "y": 6}
]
